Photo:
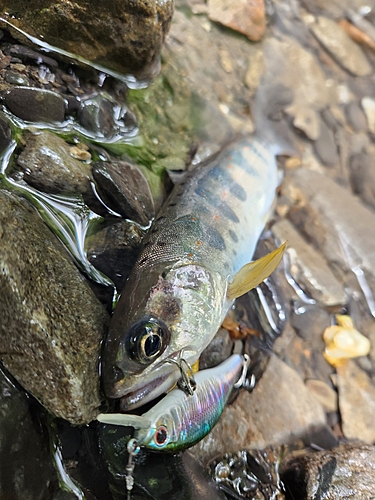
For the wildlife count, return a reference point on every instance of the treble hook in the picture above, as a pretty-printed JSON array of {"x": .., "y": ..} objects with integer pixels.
[
  {"x": 242, "y": 382},
  {"x": 187, "y": 382}
]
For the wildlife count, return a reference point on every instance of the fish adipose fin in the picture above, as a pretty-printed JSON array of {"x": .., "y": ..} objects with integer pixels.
[
  {"x": 136, "y": 421},
  {"x": 252, "y": 274}
]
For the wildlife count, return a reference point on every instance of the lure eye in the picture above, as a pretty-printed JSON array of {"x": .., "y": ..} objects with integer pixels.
[
  {"x": 161, "y": 435},
  {"x": 146, "y": 340}
]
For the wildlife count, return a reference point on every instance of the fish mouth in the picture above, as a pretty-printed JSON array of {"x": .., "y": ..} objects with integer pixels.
[{"x": 149, "y": 391}]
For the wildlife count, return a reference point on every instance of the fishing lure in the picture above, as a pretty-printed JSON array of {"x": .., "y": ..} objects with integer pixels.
[
  {"x": 179, "y": 420},
  {"x": 193, "y": 264}
]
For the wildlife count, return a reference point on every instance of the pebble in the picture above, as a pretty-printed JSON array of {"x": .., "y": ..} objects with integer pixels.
[
  {"x": 309, "y": 321},
  {"x": 16, "y": 78},
  {"x": 362, "y": 177},
  {"x": 307, "y": 120},
  {"x": 51, "y": 325},
  {"x": 338, "y": 474},
  {"x": 285, "y": 405},
  {"x": 368, "y": 105},
  {"x": 245, "y": 16},
  {"x": 124, "y": 188},
  {"x": 356, "y": 401},
  {"x": 356, "y": 117},
  {"x": 35, "y": 105},
  {"x": 95, "y": 114},
  {"x": 325, "y": 146},
  {"x": 326, "y": 396},
  {"x": 308, "y": 268},
  {"x": 346, "y": 52},
  {"x": 217, "y": 351},
  {"x": 48, "y": 165},
  {"x": 5, "y": 133}
]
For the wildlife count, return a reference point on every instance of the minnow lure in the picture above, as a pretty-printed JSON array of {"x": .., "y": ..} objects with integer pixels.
[
  {"x": 193, "y": 264},
  {"x": 179, "y": 421}
]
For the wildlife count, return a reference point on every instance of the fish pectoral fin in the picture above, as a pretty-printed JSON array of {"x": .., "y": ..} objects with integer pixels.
[
  {"x": 253, "y": 273},
  {"x": 136, "y": 421}
]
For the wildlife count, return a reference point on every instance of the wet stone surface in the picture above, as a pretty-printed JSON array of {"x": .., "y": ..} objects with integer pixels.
[{"x": 37, "y": 105}]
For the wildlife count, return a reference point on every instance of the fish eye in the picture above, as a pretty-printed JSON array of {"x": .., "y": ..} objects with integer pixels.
[
  {"x": 147, "y": 339},
  {"x": 161, "y": 435}
]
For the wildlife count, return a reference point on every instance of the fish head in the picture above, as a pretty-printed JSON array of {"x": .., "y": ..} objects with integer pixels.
[{"x": 162, "y": 315}]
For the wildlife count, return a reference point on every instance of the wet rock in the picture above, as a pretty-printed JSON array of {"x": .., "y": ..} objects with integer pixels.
[
  {"x": 26, "y": 471},
  {"x": 27, "y": 54},
  {"x": 286, "y": 407},
  {"x": 325, "y": 146},
  {"x": 355, "y": 116},
  {"x": 338, "y": 474},
  {"x": 362, "y": 177},
  {"x": 309, "y": 320},
  {"x": 49, "y": 166},
  {"x": 5, "y": 133},
  {"x": 251, "y": 473},
  {"x": 368, "y": 105},
  {"x": 52, "y": 325},
  {"x": 246, "y": 17},
  {"x": 340, "y": 46},
  {"x": 16, "y": 79},
  {"x": 326, "y": 396},
  {"x": 114, "y": 249},
  {"x": 35, "y": 105},
  {"x": 337, "y": 223},
  {"x": 217, "y": 350},
  {"x": 96, "y": 115},
  {"x": 357, "y": 402},
  {"x": 308, "y": 268},
  {"x": 126, "y": 189},
  {"x": 126, "y": 37}
]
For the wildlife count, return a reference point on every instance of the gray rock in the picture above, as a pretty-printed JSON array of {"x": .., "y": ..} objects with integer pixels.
[
  {"x": 49, "y": 166},
  {"x": 35, "y": 105},
  {"x": 362, "y": 177},
  {"x": 355, "y": 116},
  {"x": 96, "y": 115},
  {"x": 26, "y": 470},
  {"x": 16, "y": 78},
  {"x": 114, "y": 249},
  {"x": 338, "y": 474},
  {"x": 337, "y": 223},
  {"x": 325, "y": 146},
  {"x": 309, "y": 321},
  {"x": 125, "y": 188},
  {"x": 356, "y": 402},
  {"x": 279, "y": 409},
  {"x": 308, "y": 268},
  {"x": 342, "y": 48},
  {"x": 218, "y": 350},
  {"x": 51, "y": 323},
  {"x": 125, "y": 37}
]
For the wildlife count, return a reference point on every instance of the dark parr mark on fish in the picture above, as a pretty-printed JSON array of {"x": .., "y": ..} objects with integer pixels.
[
  {"x": 238, "y": 192},
  {"x": 214, "y": 238},
  {"x": 215, "y": 201},
  {"x": 233, "y": 235}
]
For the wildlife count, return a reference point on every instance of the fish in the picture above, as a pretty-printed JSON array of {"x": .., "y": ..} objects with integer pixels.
[
  {"x": 179, "y": 421},
  {"x": 195, "y": 260}
]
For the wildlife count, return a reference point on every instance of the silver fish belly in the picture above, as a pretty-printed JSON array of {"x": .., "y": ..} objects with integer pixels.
[
  {"x": 176, "y": 296},
  {"x": 179, "y": 421}
]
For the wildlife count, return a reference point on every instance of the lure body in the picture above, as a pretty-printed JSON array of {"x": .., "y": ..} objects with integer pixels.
[
  {"x": 176, "y": 296},
  {"x": 179, "y": 421}
]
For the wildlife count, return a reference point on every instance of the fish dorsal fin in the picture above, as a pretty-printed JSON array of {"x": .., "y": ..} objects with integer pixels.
[
  {"x": 136, "y": 421},
  {"x": 252, "y": 274}
]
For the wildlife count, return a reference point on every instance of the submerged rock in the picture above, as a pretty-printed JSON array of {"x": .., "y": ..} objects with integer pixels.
[
  {"x": 339, "y": 474},
  {"x": 122, "y": 36},
  {"x": 51, "y": 323},
  {"x": 48, "y": 165},
  {"x": 35, "y": 105}
]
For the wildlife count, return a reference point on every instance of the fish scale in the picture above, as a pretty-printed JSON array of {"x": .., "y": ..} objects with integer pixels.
[{"x": 176, "y": 296}]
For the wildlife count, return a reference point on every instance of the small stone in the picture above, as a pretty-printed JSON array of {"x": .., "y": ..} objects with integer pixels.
[
  {"x": 96, "y": 114},
  {"x": 279, "y": 409},
  {"x": 254, "y": 71},
  {"x": 80, "y": 154},
  {"x": 49, "y": 166},
  {"x": 326, "y": 396},
  {"x": 368, "y": 105},
  {"x": 226, "y": 61},
  {"x": 308, "y": 268},
  {"x": 245, "y": 16},
  {"x": 25, "y": 53},
  {"x": 309, "y": 321},
  {"x": 125, "y": 189},
  {"x": 362, "y": 176},
  {"x": 356, "y": 34},
  {"x": 5, "y": 133},
  {"x": 325, "y": 146},
  {"x": 338, "y": 474},
  {"x": 307, "y": 120},
  {"x": 16, "y": 78},
  {"x": 340, "y": 46},
  {"x": 356, "y": 117},
  {"x": 35, "y": 105},
  {"x": 218, "y": 350},
  {"x": 357, "y": 402}
]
